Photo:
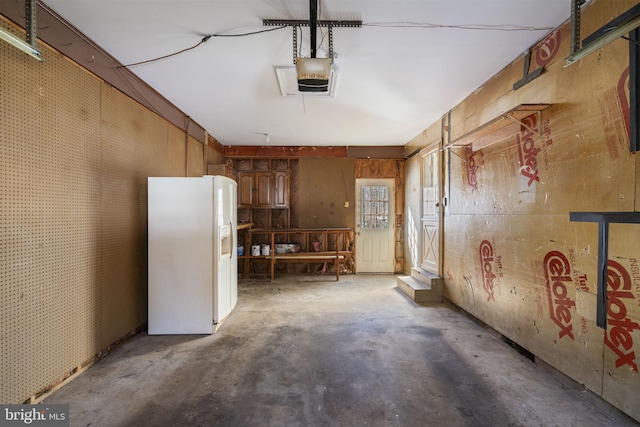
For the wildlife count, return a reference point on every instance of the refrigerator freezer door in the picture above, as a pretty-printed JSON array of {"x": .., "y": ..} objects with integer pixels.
[
  {"x": 226, "y": 264},
  {"x": 180, "y": 221}
]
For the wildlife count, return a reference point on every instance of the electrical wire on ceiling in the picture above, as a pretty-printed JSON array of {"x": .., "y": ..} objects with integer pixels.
[
  {"x": 483, "y": 27},
  {"x": 250, "y": 33},
  {"x": 324, "y": 33},
  {"x": 425, "y": 25},
  {"x": 203, "y": 40}
]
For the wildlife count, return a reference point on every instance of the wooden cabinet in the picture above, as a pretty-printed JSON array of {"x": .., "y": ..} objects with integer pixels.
[
  {"x": 245, "y": 189},
  {"x": 266, "y": 189},
  {"x": 281, "y": 190},
  {"x": 262, "y": 189},
  {"x": 264, "y": 197}
]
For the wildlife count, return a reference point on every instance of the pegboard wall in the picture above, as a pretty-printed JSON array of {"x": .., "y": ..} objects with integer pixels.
[{"x": 74, "y": 154}]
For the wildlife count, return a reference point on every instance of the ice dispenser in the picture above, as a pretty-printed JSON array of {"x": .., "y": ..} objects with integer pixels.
[{"x": 225, "y": 241}]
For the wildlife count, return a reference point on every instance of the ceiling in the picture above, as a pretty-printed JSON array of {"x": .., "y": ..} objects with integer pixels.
[{"x": 409, "y": 63}]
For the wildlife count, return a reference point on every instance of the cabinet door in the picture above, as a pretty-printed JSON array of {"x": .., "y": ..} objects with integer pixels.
[
  {"x": 262, "y": 189},
  {"x": 281, "y": 190},
  {"x": 245, "y": 189}
]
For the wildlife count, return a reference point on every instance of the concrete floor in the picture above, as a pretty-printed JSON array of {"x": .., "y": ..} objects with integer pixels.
[{"x": 309, "y": 351}]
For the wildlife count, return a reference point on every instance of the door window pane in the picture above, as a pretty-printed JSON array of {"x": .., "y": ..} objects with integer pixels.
[
  {"x": 375, "y": 206},
  {"x": 429, "y": 184}
]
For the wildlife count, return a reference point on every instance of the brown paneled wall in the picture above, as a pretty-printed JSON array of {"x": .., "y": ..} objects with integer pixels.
[
  {"x": 324, "y": 185},
  {"x": 75, "y": 154}
]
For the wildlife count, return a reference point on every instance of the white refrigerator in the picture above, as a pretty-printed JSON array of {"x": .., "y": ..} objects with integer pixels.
[{"x": 193, "y": 273}]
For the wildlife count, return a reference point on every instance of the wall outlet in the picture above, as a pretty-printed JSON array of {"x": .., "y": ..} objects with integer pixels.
[{"x": 346, "y": 204}]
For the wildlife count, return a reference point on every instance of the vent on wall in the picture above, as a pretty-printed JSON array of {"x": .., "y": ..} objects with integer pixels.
[{"x": 288, "y": 81}]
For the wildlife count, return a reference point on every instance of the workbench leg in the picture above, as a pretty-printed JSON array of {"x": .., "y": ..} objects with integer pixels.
[
  {"x": 273, "y": 256},
  {"x": 272, "y": 264}
]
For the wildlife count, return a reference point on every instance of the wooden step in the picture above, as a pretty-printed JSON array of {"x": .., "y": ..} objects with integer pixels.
[
  {"x": 420, "y": 291},
  {"x": 425, "y": 276}
]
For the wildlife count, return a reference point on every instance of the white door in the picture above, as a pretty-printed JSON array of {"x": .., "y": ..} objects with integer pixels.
[
  {"x": 375, "y": 233},
  {"x": 430, "y": 212}
]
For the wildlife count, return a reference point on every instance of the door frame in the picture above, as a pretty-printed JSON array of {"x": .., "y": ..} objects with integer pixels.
[
  {"x": 391, "y": 220},
  {"x": 436, "y": 148}
]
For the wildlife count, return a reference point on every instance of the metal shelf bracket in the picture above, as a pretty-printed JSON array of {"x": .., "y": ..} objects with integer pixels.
[{"x": 604, "y": 219}]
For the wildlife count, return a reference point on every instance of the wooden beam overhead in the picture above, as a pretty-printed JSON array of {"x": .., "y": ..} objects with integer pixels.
[{"x": 247, "y": 152}]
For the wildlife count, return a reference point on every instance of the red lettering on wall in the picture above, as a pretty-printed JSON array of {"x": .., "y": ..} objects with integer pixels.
[
  {"x": 487, "y": 263},
  {"x": 623, "y": 91},
  {"x": 619, "y": 326},
  {"x": 472, "y": 167},
  {"x": 527, "y": 151},
  {"x": 557, "y": 273},
  {"x": 548, "y": 48}
]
